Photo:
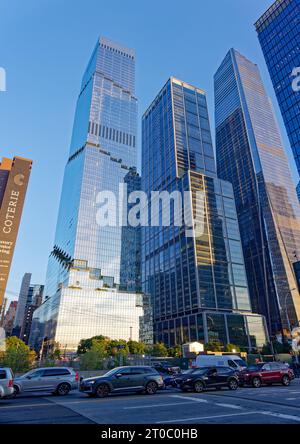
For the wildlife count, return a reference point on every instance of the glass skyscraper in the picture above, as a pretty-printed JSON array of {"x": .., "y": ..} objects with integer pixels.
[
  {"x": 250, "y": 155},
  {"x": 279, "y": 35},
  {"x": 197, "y": 282},
  {"x": 82, "y": 295}
]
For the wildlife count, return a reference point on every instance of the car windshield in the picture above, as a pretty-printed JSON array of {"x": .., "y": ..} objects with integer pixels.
[
  {"x": 113, "y": 371},
  {"x": 255, "y": 367},
  {"x": 240, "y": 362}
]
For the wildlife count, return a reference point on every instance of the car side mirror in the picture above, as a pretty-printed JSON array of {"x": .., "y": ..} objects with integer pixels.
[
  {"x": 118, "y": 375},
  {"x": 28, "y": 377}
]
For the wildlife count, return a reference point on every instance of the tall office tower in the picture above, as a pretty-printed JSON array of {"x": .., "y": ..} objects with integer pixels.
[
  {"x": 195, "y": 276},
  {"x": 14, "y": 177},
  {"x": 251, "y": 156},
  {"x": 82, "y": 296},
  {"x": 22, "y": 301},
  {"x": 279, "y": 35},
  {"x": 34, "y": 300}
]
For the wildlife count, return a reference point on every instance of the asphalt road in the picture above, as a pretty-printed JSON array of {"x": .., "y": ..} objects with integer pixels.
[{"x": 267, "y": 405}]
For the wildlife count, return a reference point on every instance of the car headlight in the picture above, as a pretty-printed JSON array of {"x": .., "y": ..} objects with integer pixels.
[
  {"x": 188, "y": 380},
  {"x": 90, "y": 382}
]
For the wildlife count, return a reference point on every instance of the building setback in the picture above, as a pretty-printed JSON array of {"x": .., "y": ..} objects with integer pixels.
[
  {"x": 251, "y": 156},
  {"x": 196, "y": 280},
  {"x": 279, "y": 36}
]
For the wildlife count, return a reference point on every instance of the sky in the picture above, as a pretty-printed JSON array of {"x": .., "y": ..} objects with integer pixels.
[{"x": 44, "y": 48}]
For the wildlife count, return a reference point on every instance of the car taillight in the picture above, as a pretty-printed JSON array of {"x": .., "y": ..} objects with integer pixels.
[
  {"x": 10, "y": 383},
  {"x": 76, "y": 376}
]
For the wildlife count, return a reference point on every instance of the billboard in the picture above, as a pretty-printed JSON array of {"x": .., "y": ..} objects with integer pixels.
[{"x": 10, "y": 215}]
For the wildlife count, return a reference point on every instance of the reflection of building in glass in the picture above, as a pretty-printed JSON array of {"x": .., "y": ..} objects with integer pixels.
[
  {"x": 250, "y": 155},
  {"x": 131, "y": 240},
  {"x": 82, "y": 295},
  {"x": 86, "y": 307},
  {"x": 197, "y": 283},
  {"x": 278, "y": 32}
]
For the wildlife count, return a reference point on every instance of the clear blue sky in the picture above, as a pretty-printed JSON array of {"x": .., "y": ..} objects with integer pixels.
[{"x": 45, "y": 45}]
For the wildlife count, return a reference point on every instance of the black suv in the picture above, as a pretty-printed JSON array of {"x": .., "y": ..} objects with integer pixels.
[
  {"x": 123, "y": 379},
  {"x": 202, "y": 378}
]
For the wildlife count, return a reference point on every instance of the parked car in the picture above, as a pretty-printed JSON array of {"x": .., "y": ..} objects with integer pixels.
[
  {"x": 286, "y": 365},
  {"x": 6, "y": 382},
  {"x": 56, "y": 380},
  {"x": 123, "y": 379},
  {"x": 266, "y": 373},
  {"x": 166, "y": 368},
  {"x": 200, "y": 379},
  {"x": 232, "y": 361}
]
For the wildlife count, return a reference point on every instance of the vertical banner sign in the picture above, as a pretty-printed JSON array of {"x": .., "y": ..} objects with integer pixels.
[{"x": 10, "y": 216}]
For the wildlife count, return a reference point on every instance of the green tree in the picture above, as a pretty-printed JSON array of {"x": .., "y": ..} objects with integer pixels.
[
  {"x": 213, "y": 345},
  {"x": 91, "y": 360},
  {"x": 118, "y": 347},
  {"x": 97, "y": 352},
  {"x": 231, "y": 347},
  {"x": 175, "y": 352},
  {"x": 86, "y": 344},
  {"x": 159, "y": 349},
  {"x": 17, "y": 355},
  {"x": 136, "y": 348}
]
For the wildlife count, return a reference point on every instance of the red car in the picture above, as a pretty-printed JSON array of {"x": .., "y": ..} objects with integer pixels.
[{"x": 266, "y": 373}]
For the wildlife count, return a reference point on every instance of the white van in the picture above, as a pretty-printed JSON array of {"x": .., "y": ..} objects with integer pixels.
[{"x": 232, "y": 361}]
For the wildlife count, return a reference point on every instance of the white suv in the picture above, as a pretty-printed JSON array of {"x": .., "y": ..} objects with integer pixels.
[
  {"x": 56, "y": 380},
  {"x": 6, "y": 382}
]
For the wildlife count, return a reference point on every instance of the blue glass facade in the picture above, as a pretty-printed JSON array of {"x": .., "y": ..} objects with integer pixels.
[
  {"x": 279, "y": 36},
  {"x": 197, "y": 283},
  {"x": 251, "y": 156},
  {"x": 82, "y": 290}
]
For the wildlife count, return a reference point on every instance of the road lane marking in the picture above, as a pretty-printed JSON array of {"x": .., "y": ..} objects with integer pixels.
[
  {"x": 230, "y": 406},
  {"x": 201, "y": 418},
  {"x": 189, "y": 397},
  {"x": 281, "y": 415},
  {"x": 26, "y": 405},
  {"x": 157, "y": 405}
]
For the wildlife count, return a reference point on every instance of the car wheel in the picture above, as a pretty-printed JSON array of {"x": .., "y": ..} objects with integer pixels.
[
  {"x": 285, "y": 380},
  {"x": 151, "y": 388},
  {"x": 63, "y": 389},
  {"x": 233, "y": 384},
  {"x": 256, "y": 382},
  {"x": 198, "y": 387},
  {"x": 102, "y": 391},
  {"x": 16, "y": 391}
]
